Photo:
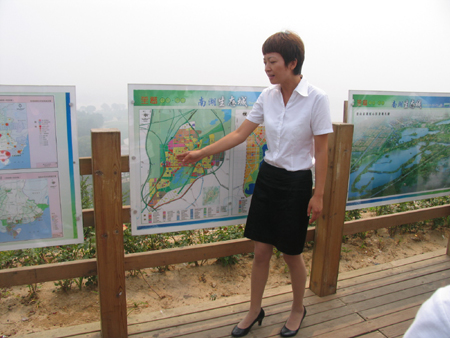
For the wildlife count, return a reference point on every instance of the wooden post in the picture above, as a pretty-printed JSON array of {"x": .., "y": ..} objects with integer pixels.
[
  {"x": 345, "y": 117},
  {"x": 329, "y": 227},
  {"x": 448, "y": 246},
  {"x": 106, "y": 170}
]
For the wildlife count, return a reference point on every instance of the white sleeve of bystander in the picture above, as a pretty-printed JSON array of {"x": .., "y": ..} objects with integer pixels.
[{"x": 433, "y": 317}]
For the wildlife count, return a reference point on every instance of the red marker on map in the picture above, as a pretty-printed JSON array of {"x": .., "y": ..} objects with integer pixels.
[{"x": 4, "y": 155}]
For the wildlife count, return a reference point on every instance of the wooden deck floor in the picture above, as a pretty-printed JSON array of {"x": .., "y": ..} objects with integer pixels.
[{"x": 379, "y": 301}]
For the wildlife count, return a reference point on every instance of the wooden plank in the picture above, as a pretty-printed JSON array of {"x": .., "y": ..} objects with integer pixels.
[
  {"x": 82, "y": 330},
  {"x": 277, "y": 308},
  {"x": 270, "y": 328},
  {"x": 345, "y": 115},
  {"x": 277, "y": 299},
  {"x": 317, "y": 315},
  {"x": 61, "y": 335},
  {"x": 195, "y": 324},
  {"x": 187, "y": 254},
  {"x": 448, "y": 246},
  {"x": 107, "y": 183},
  {"x": 432, "y": 256},
  {"x": 413, "y": 216},
  {"x": 371, "y": 325},
  {"x": 395, "y": 306},
  {"x": 374, "y": 334},
  {"x": 386, "y": 277},
  {"x": 394, "y": 285},
  {"x": 87, "y": 267},
  {"x": 329, "y": 229},
  {"x": 222, "y": 321},
  {"x": 329, "y": 326},
  {"x": 397, "y": 330},
  {"x": 89, "y": 219},
  {"x": 224, "y": 315},
  {"x": 386, "y": 266},
  {"x": 371, "y": 309},
  {"x": 47, "y": 272},
  {"x": 355, "y": 290},
  {"x": 383, "y": 304},
  {"x": 86, "y": 165}
]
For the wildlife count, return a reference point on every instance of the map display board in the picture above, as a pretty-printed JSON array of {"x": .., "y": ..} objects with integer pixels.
[
  {"x": 167, "y": 120},
  {"x": 40, "y": 202},
  {"x": 401, "y": 147}
]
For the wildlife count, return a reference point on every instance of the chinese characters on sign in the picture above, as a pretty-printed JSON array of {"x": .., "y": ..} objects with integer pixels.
[{"x": 220, "y": 102}]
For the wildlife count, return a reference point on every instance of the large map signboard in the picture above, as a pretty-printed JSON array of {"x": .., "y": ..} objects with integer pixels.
[
  {"x": 401, "y": 147},
  {"x": 168, "y": 120},
  {"x": 40, "y": 201}
]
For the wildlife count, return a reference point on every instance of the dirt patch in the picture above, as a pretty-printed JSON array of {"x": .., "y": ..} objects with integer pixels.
[{"x": 187, "y": 284}]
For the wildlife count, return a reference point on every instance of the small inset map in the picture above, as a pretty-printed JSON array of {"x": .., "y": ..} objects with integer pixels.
[
  {"x": 211, "y": 196},
  {"x": 25, "y": 212},
  {"x": 14, "y": 145},
  {"x": 27, "y": 132}
]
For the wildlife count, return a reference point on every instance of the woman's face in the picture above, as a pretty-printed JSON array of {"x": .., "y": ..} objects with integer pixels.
[{"x": 276, "y": 69}]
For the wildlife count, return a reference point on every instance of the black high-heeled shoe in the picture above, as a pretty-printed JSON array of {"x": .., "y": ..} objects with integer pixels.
[
  {"x": 285, "y": 332},
  {"x": 238, "y": 332}
]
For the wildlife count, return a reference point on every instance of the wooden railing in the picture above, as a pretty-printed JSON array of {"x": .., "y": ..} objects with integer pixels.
[{"x": 108, "y": 216}]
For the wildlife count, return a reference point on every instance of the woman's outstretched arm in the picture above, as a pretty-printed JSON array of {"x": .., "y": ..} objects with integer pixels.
[{"x": 227, "y": 142}]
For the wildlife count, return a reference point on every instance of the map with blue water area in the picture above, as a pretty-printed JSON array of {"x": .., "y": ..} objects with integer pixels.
[
  {"x": 25, "y": 213},
  {"x": 14, "y": 145},
  {"x": 401, "y": 149}
]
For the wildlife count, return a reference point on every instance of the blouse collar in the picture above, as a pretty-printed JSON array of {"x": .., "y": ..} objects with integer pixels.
[{"x": 302, "y": 87}]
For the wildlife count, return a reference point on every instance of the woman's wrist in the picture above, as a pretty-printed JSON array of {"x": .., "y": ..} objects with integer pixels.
[
  {"x": 318, "y": 193},
  {"x": 203, "y": 152}
]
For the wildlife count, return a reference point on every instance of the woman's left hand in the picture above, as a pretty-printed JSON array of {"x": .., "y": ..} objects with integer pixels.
[{"x": 315, "y": 207}]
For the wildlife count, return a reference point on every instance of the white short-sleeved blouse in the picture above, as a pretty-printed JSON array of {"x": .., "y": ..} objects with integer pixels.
[{"x": 290, "y": 129}]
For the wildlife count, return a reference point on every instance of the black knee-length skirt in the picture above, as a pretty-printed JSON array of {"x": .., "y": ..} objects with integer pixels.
[{"x": 278, "y": 211}]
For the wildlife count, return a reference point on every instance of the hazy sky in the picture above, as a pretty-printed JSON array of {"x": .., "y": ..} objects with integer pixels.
[{"x": 101, "y": 46}]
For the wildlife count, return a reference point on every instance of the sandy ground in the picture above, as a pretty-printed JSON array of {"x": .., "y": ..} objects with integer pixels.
[{"x": 183, "y": 284}]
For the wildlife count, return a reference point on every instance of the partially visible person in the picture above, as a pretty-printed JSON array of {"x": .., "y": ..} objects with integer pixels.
[
  {"x": 296, "y": 116},
  {"x": 433, "y": 318}
]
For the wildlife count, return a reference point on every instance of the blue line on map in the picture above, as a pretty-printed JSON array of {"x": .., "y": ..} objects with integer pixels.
[
  {"x": 70, "y": 155},
  {"x": 165, "y": 225}
]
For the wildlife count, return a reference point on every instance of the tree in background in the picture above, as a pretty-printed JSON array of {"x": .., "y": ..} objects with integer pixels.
[
  {"x": 87, "y": 119},
  {"x": 109, "y": 116}
]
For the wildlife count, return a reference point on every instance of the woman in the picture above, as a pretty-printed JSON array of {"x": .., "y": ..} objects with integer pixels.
[{"x": 297, "y": 121}]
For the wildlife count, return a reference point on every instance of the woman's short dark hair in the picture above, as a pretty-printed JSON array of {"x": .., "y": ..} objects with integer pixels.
[{"x": 289, "y": 45}]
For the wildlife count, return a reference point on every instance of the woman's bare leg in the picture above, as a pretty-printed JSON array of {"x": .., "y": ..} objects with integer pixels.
[
  {"x": 260, "y": 273},
  {"x": 297, "y": 269}
]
